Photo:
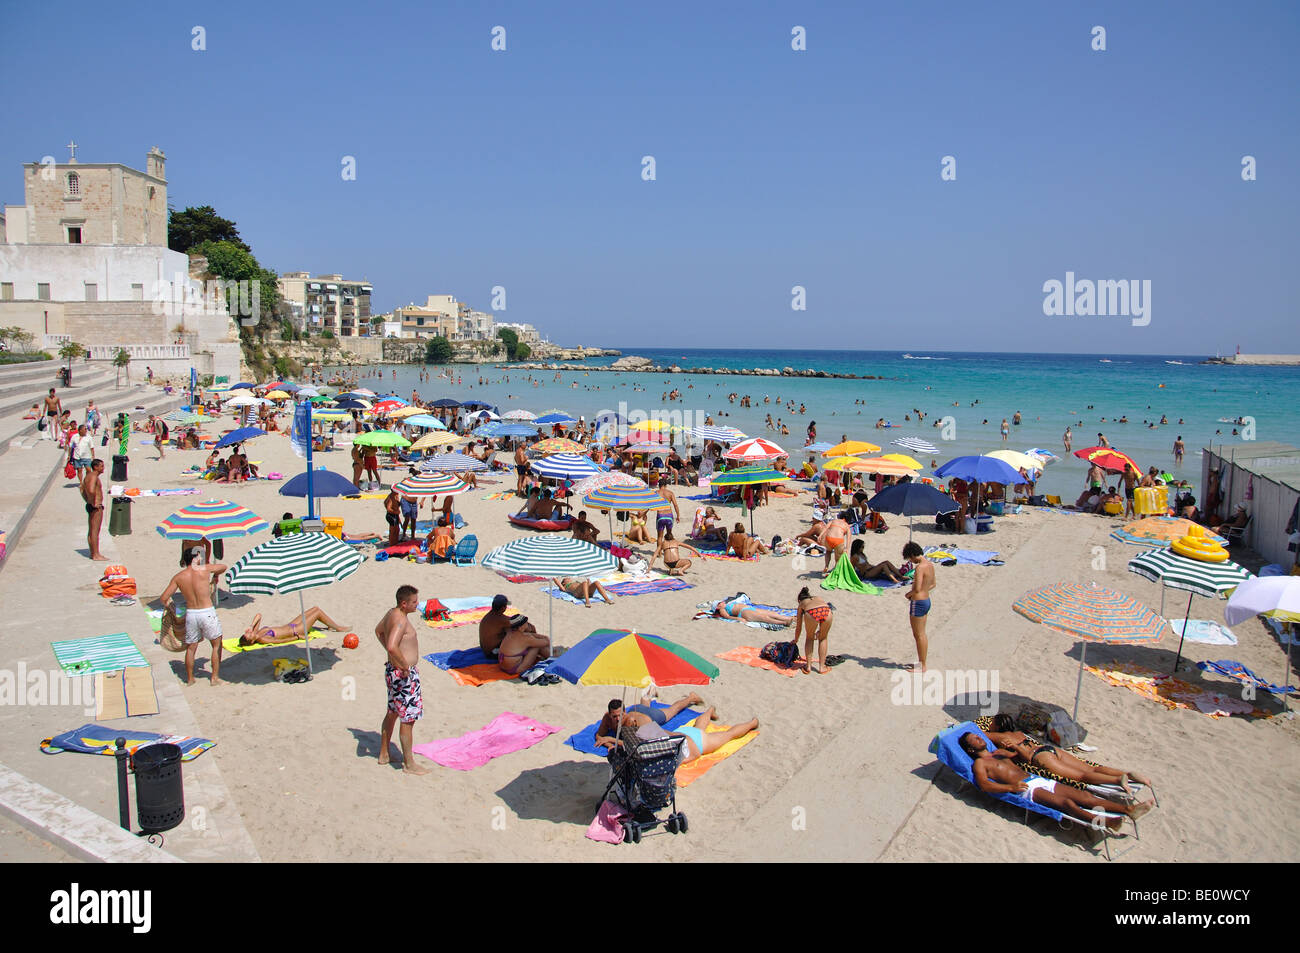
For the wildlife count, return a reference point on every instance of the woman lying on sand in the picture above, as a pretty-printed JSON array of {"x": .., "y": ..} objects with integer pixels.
[
  {"x": 739, "y": 609},
  {"x": 699, "y": 740},
  {"x": 289, "y": 632}
]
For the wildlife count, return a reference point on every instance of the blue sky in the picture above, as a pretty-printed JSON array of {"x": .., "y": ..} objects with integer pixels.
[{"x": 774, "y": 168}]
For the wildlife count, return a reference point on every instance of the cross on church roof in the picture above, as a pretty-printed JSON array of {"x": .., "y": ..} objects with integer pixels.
[{"x": 72, "y": 147}]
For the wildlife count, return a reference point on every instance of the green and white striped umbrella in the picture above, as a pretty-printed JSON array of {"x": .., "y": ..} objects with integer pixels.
[
  {"x": 293, "y": 563},
  {"x": 551, "y": 556},
  {"x": 1194, "y": 575}
]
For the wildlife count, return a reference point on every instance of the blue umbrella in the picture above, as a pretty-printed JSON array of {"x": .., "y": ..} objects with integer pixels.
[
  {"x": 556, "y": 418},
  {"x": 323, "y": 483},
  {"x": 445, "y": 402},
  {"x": 505, "y": 430},
  {"x": 424, "y": 420},
  {"x": 913, "y": 499},
  {"x": 239, "y": 436},
  {"x": 821, "y": 446},
  {"x": 241, "y": 386},
  {"x": 980, "y": 469},
  {"x": 351, "y": 403},
  {"x": 477, "y": 405}
]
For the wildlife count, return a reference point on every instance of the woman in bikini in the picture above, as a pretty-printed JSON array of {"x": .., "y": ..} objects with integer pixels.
[
  {"x": 814, "y": 617},
  {"x": 522, "y": 647},
  {"x": 582, "y": 589},
  {"x": 741, "y": 609},
  {"x": 832, "y": 541},
  {"x": 699, "y": 740},
  {"x": 257, "y": 634},
  {"x": 358, "y": 464},
  {"x": 1051, "y": 758},
  {"x": 864, "y": 568},
  {"x": 675, "y": 563}
]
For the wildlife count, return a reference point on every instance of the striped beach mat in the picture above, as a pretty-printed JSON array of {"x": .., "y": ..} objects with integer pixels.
[{"x": 102, "y": 653}]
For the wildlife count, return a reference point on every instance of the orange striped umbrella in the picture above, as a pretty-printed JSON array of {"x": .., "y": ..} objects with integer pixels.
[{"x": 1093, "y": 614}]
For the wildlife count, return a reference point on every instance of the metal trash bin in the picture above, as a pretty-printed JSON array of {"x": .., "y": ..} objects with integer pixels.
[
  {"x": 159, "y": 792},
  {"x": 120, "y": 460},
  {"x": 119, "y": 517}
]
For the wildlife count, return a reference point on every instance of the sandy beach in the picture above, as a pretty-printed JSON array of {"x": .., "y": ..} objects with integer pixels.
[{"x": 838, "y": 770}]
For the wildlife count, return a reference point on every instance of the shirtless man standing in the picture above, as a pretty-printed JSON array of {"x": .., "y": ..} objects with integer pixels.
[
  {"x": 405, "y": 702},
  {"x": 521, "y": 468},
  {"x": 195, "y": 584},
  {"x": 53, "y": 407},
  {"x": 392, "y": 513},
  {"x": 92, "y": 491},
  {"x": 919, "y": 598}
]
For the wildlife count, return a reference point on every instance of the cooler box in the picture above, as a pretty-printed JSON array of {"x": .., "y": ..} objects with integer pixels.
[
  {"x": 996, "y": 508},
  {"x": 984, "y": 524},
  {"x": 333, "y": 526},
  {"x": 313, "y": 526},
  {"x": 1150, "y": 500}
]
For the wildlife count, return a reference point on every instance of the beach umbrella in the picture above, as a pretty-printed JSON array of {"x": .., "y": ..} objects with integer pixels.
[
  {"x": 556, "y": 445},
  {"x": 278, "y": 395},
  {"x": 245, "y": 399},
  {"x": 648, "y": 446},
  {"x": 1274, "y": 597},
  {"x": 1194, "y": 575},
  {"x": 438, "y": 439},
  {"x": 1108, "y": 458},
  {"x": 549, "y": 556},
  {"x": 565, "y": 466},
  {"x": 754, "y": 450},
  {"x": 452, "y": 463},
  {"x": 308, "y": 392},
  {"x": 1158, "y": 532},
  {"x": 915, "y": 444},
  {"x": 1045, "y": 455},
  {"x": 910, "y": 462},
  {"x": 506, "y": 430},
  {"x": 747, "y": 476},
  {"x": 476, "y": 405},
  {"x": 408, "y": 411},
  {"x": 432, "y": 484},
  {"x": 211, "y": 519},
  {"x": 821, "y": 446},
  {"x": 912, "y": 499},
  {"x": 881, "y": 465},
  {"x": 385, "y": 407},
  {"x": 239, "y": 436},
  {"x": 352, "y": 403},
  {"x": 632, "y": 660},
  {"x": 445, "y": 402},
  {"x": 720, "y": 434},
  {"x": 319, "y": 399},
  {"x": 839, "y": 463},
  {"x": 635, "y": 499},
  {"x": 362, "y": 392},
  {"x": 324, "y": 483},
  {"x": 381, "y": 438},
  {"x": 598, "y": 481},
  {"x": 981, "y": 470},
  {"x": 850, "y": 448},
  {"x": 487, "y": 415},
  {"x": 182, "y": 417},
  {"x": 1017, "y": 460},
  {"x": 327, "y": 415},
  {"x": 293, "y": 563},
  {"x": 518, "y": 415},
  {"x": 1091, "y": 613},
  {"x": 425, "y": 421},
  {"x": 556, "y": 417},
  {"x": 242, "y": 385}
]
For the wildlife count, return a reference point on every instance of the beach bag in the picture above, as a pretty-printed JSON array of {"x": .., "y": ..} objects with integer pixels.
[
  {"x": 1033, "y": 719},
  {"x": 1063, "y": 730},
  {"x": 40, "y": 423},
  {"x": 171, "y": 634},
  {"x": 69, "y": 470},
  {"x": 435, "y": 611},
  {"x": 782, "y": 654}
]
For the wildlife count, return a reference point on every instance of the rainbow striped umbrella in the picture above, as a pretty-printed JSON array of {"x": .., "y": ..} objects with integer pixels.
[
  {"x": 633, "y": 660},
  {"x": 623, "y": 497},
  {"x": 432, "y": 484},
  {"x": 598, "y": 481},
  {"x": 211, "y": 519},
  {"x": 1092, "y": 614},
  {"x": 557, "y": 445}
]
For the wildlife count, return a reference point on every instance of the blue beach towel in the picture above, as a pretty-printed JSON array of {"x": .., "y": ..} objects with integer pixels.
[
  {"x": 565, "y": 597},
  {"x": 97, "y": 739},
  {"x": 1203, "y": 631},
  {"x": 584, "y": 740},
  {"x": 461, "y": 658},
  {"x": 1234, "y": 669}
]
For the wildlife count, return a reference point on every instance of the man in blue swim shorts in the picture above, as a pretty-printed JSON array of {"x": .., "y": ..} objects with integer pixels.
[{"x": 918, "y": 606}]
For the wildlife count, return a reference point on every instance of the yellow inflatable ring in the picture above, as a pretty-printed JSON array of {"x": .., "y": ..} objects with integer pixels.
[{"x": 1199, "y": 547}]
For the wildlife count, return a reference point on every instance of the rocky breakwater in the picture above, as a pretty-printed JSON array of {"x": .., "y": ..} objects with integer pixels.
[{"x": 635, "y": 364}]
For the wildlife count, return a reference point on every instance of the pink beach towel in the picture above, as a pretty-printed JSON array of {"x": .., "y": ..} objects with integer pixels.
[
  {"x": 608, "y": 827},
  {"x": 508, "y": 732}
]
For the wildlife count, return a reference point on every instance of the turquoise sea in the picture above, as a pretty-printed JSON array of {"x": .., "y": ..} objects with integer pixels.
[{"x": 1051, "y": 391}]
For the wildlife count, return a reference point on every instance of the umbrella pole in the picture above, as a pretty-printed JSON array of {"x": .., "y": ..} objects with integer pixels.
[
  {"x": 1078, "y": 688},
  {"x": 1186, "y": 618},
  {"x": 1162, "y": 598},
  {"x": 306, "y": 635}
]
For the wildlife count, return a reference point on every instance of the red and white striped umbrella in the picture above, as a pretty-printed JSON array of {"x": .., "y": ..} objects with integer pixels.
[{"x": 754, "y": 450}]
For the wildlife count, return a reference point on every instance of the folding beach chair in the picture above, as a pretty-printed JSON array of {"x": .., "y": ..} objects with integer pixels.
[
  {"x": 643, "y": 777},
  {"x": 946, "y": 746}
]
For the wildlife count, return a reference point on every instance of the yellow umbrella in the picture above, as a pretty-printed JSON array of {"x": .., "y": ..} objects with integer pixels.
[
  {"x": 851, "y": 448},
  {"x": 1016, "y": 459},
  {"x": 439, "y": 438},
  {"x": 650, "y": 425},
  {"x": 880, "y": 465},
  {"x": 278, "y": 395},
  {"x": 910, "y": 462},
  {"x": 406, "y": 412},
  {"x": 839, "y": 463}
]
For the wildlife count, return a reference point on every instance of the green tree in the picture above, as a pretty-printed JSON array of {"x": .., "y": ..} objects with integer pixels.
[
  {"x": 437, "y": 351},
  {"x": 70, "y": 351},
  {"x": 234, "y": 262},
  {"x": 122, "y": 361},
  {"x": 522, "y": 351},
  {"x": 195, "y": 226},
  {"x": 510, "y": 339}
]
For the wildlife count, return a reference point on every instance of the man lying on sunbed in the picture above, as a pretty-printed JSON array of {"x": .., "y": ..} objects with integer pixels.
[
  {"x": 257, "y": 634},
  {"x": 996, "y": 773},
  {"x": 1056, "y": 760},
  {"x": 699, "y": 741}
]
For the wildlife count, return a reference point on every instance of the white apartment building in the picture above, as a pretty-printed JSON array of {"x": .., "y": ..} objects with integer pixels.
[{"x": 329, "y": 302}]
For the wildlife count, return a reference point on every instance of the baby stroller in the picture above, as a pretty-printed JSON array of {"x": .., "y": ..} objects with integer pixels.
[{"x": 644, "y": 780}]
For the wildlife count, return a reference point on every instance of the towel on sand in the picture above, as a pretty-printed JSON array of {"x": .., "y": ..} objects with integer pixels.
[
  {"x": 100, "y": 653},
  {"x": 707, "y": 608},
  {"x": 565, "y": 597},
  {"x": 748, "y": 655},
  {"x": 99, "y": 739},
  {"x": 949, "y": 556},
  {"x": 692, "y": 771},
  {"x": 1174, "y": 692},
  {"x": 1234, "y": 669},
  {"x": 1203, "y": 631},
  {"x": 469, "y": 667},
  {"x": 125, "y": 694},
  {"x": 584, "y": 739},
  {"x": 844, "y": 576},
  {"x": 507, "y": 732},
  {"x": 232, "y": 645}
]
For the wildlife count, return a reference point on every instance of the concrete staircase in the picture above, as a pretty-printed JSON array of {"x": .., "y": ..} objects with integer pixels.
[{"x": 29, "y": 466}]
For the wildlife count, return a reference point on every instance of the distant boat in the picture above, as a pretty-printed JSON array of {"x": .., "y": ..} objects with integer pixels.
[
  {"x": 1174, "y": 362},
  {"x": 1105, "y": 361}
]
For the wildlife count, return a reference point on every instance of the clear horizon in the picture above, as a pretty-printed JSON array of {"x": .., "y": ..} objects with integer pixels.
[{"x": 774, "y": 168}]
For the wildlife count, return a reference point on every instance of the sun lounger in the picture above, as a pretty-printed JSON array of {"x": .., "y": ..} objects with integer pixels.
[{"x": 946, "y": 746}]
